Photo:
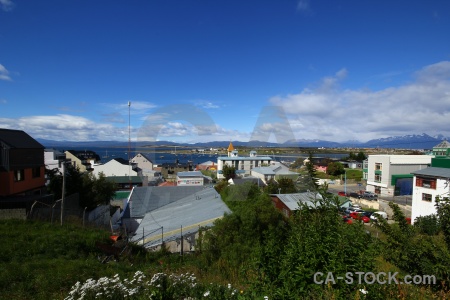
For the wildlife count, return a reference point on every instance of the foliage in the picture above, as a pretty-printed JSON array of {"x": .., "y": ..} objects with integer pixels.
[
  {"x": 358, "y": 157},
  {"x": 93, "y": 190},
  {"x": 320, "y": 242},
  {"x": 312, "y": 176},
  {"x": 283, "y": 186},
  {"x": 335, "y": 168},
  {"x": 412, "y": 251},
  {"x": 236, "y": 241},
  {"x": 427, "y": 224},
  {"x": 228, "y": 172},
  {"x": 443, "y": 213}
]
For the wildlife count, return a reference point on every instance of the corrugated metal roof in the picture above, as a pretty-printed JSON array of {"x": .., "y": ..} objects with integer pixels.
[
  {"x": 200, "y": 208},
  {"x": 264, "y": 170},
  {"x": 190, "y": 174},
  {"x": 292, "y": 200},
  {"x": 146, "y": 199},
  {"x": 434, "y": 172},
  {"x": 18, "y": 139}
]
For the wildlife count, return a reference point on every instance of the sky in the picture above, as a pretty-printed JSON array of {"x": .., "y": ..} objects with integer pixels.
[{"x": 214, "y": 70}]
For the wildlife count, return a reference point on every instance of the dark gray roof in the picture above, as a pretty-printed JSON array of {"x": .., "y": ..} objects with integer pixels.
[
  {"x": 146, "y": 199},
  {"x": 433, "y": 172},
  {"x": 196, "y": 210},
  {"x": 121, "y": 160},
  {"x": 18, "y": 139}
]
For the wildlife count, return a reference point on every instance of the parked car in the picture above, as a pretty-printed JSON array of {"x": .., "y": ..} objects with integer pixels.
[
  {"x": 347, "y": 219},
  {"x": 360, "y": 216},
  {"x": 355, "y": 195},
  {"x": 371, "y": 197},
  {"x": 368, "y": 213},
  {"x": 342, "y": 193},
  {"x": 375, "y": 215},
  {"x": 356, "y": 206}
]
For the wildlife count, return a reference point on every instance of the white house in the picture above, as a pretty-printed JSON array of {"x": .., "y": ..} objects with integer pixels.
[
  {"x": 242, "y": 164},
  {"x": 115, "y": 167},
  {"x": 145, "y": 165},
  {"x": 429, "y": 183},
  {"x": 190, "y": 178},
  {"x": 390, "y": 175},
  {"x": 53, "y": 158}
]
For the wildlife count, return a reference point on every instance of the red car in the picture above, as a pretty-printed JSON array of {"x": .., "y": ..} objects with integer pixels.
[
  {"x": 359, "y": 216},
  {"x": 342, "y": 194}
]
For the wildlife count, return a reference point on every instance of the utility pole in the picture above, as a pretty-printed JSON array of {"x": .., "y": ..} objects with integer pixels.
[
  {"x": 63, "y": 191},
  {"x": 129, "y": 145}
]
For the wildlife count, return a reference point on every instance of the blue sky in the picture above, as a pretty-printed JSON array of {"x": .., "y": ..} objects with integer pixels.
[{"x": 218, "y": 70}]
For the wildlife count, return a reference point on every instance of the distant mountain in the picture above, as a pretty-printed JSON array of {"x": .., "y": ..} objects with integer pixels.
[{"x": 412, "y": 141}]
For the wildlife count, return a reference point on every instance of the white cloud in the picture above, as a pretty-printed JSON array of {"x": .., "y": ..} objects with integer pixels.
[
  {"x": 206, "y": 104},
  {"x": 4, "y": 73},
  {"x": 6, "y": 5},
  {"x": 329, "y": 112},
  {"x": 65, "y": 127}
]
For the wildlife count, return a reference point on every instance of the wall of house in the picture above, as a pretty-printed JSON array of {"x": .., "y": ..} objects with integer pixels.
[
  {"x": 113, "y": 168},
  {"x": 279, "y": 205},
  {"x": 142, "y": 162},
  {"x": 392, "y": 165},
  {"x": 11, "y": 187},
  {"x": 424, "y": 208},
  {"x": 191, "y": 181}
]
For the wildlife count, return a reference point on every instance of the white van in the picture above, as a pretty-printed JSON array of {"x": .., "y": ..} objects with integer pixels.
[{"x": 374, "y": 216}]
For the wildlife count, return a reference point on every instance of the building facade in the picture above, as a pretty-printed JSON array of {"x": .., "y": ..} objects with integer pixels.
[
  {"x": 390, "y": 175},
  {"x": 430, "y": 183},
  {"x": 192, "y": 178},
  {"x": 22, "y": 167},
  {"x": 83, "y": 160},
  {"x": 242, "y": 164}
]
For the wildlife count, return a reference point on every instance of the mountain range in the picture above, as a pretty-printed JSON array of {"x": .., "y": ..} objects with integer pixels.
[{"x": 413, "y": 141}]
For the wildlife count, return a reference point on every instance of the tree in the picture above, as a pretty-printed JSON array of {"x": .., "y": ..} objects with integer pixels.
[
  {"x": 335, "y": 169},
  {"x": 228, "y": 172},
  {"x": 93, "y": 191},
  {"x": 314, "y": 183}
]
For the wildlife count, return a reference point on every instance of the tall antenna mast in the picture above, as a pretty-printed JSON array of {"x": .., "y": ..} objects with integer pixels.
[{"x": 129, "y": 144}]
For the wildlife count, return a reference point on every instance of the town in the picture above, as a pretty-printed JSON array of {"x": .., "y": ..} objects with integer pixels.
[{"x": 178, "y": 209}]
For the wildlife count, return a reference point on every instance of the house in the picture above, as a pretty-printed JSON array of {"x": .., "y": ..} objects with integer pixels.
[
  {"x": 242, "y": 164},
  {"x": 116, "y": 167},
  {"x": 390, "y": 175},
  {"x": 22, "y": 167},
  {"x": 442, "y": 149},
  {"x": 128, "y": 182},
  {"x": 53, "y": 159},
  {"x": 208, "y": 165},
  {"x": 254, "y": 180},
  {"x": 428, "y": 184},
  {"x": 288, "y": 203},
  {"x": 169, "y": 170},
  {"x": 191, "y": 178},
  {"x": 83, "y": 160},
  {"x": 145, "y": 164},
  {"x": 263, "y": 173},
  {"x": 171, "y": 214}
]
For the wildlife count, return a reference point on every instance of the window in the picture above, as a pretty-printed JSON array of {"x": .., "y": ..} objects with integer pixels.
[
  {"x": 426, "y": 182},
  {"x": 426, "y": 197},
  {"x": 36, "y": 172},
  {"x": 378, "y": 167},
  {"x": 377, "y": 190},
  {"x": 377, "y": 178},
  {"x": 19, "y": 175}
]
